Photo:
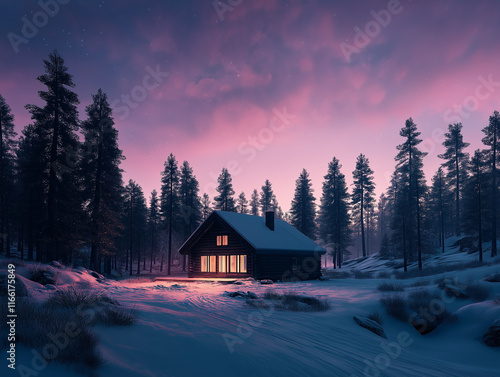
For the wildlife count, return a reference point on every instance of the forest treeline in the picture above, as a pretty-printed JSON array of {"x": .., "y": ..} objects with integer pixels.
[{"x": 62, "y": 196}]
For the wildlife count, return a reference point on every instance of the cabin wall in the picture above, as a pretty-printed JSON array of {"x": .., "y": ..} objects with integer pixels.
[
  {"x": 286, "y": 267},
  {"x": 207, "y": 245}
]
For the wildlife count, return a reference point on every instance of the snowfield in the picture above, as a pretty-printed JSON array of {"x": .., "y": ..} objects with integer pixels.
[{"x": 195, "y": 330}]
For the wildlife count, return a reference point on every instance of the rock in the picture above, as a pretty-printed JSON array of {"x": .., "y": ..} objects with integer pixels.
[
  {"x": 493, "y": 278},
  {"x": 492, "y": 336},
  {"x": 96, "y": 275},
  {"x": 49, "y": 277},
  {"x": 56, "y": 264},
  {"x": 453, "y": 291},
  {"x": 371, "y": 325},
  {"x": 20, "y": 287},
  {"x": 251, "y": 295},
  {"x": 266, "y": 281},
  {"x": 238, "y": 282},
  {"x": 50, "y": 287}
]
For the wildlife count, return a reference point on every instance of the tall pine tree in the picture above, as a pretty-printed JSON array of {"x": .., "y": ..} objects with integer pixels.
[
  {"x": 102, "y": 180},
  {"x": 242, "y": 204},
  {"x": 303, "y": 209},
  {"x": 456, "y": 165},
  {"x": 225, "y": 200},
  {"x": 154, "y": 219},
  {"x": 254, "y": 203},
  {"x": 266, "y": 197},
  {"x": 363, "y": 196},
  {"x": 59, "y": 119},
  {"x": 7, "y": 180}
]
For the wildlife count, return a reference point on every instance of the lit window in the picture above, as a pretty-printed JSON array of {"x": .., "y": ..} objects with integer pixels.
[
  {"x": 243, "y": 263},
  {"x": 204, "y": 263},
  {"x": 233, "y": 267},
  {"x": 213, "y": 260},
  {"x": 222, "y": 240},
  {"x": 222, "y": 263}
]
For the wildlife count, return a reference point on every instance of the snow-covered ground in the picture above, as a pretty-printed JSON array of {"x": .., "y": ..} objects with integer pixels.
[{"x": 193, "y": 330}]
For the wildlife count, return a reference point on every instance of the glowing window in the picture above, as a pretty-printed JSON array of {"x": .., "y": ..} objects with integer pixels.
[
  {"x": 222, "y": 263},
  {"x": 222, "y": 240},
  {"x": 212, "y": 266},
  {"x": 204, "y": 263},
  {"x": 243, "y": 263},
  {"x": 233, "y": 266}
]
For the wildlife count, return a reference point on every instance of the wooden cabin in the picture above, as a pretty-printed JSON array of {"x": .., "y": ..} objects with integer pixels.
[{"x": 235, "y": 245}]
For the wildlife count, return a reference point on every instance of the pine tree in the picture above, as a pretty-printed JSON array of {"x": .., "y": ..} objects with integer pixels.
[
  {"x": 455, "y": 162},
  {"x": 102, "y": 180},
  {"x": 254, "y": 203},
  {"x": 437, "y": 204},
  {"x": 225, "y": 201},
  {"x": 153, "y": 224},
  {"x": 278, "y": 212},
  {"x": 267, "y": 197},
  {"x": 492, "y": 139},
  {"x": 170, "y": 204},
  {"x": 475, "y": 199},
  {"x": 205, "y": 206},
  {"x": 242, "y": 204},
  {"x": 363, "y": 195},
  {"x": 303, "y": 209},
  {"x": 7, "y": 179},
  {"x": 412, "y": 182},
  {"x": 334, "y": 221},
  {"x": 385, "y": 247},
  {"x": 59, "y": 119},
  {"x": 32, "y": 166},
  {"x": 135, "y": 230}
]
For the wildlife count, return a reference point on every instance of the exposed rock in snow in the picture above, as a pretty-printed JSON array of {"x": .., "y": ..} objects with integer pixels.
[
  {"x": 49, "y": 277},
  {"x": 241, "y": 294},
  {"x": 492, "y": 336},
  {"x": 56, "y": 264},
  {"x": 493, "y": 278},
  {"x": 20, "y": 287},
  {"x": 50, "y": 287},
  {"x": 371, "y": 325},
  {"x": 266, "y": 281},
  {"x": 452, "y": 290},
  {"x": 96, "y": 275}
]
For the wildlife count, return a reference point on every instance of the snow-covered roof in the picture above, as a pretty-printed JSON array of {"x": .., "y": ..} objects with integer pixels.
[{"x": 284, "y": 237}]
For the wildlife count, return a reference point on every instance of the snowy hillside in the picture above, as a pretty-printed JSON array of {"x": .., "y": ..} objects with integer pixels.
[{"x": 196, "y": 329}]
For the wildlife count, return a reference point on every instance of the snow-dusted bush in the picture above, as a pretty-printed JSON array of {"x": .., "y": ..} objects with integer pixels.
[
  {"x": 290, "y": 301},
  {"x": 478, "y": 292},
  {"x": 390, "y": 287},
  {"x": 395, "y": 306},
  {"x": 357, "y": 274},
  {"x": 384, "y": 275},
  {"x": 377, "y": 317}
]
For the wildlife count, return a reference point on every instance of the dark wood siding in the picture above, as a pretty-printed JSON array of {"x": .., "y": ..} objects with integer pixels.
[
  {"x": 286, "y": 267},
  {"x": 207, "y": 245}
]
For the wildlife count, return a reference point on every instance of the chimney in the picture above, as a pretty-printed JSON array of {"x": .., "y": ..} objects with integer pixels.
[{"x": 270, "y": 219}]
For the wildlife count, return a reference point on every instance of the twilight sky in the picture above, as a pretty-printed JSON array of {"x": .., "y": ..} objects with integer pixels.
[{"x": 264, "y": 87}]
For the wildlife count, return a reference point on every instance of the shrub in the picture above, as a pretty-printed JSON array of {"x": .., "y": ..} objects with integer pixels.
[
  {"x": 113, "y": 316},
  {"x": 384, "y": 275},
  {"x": 395, "y": 306},
  {"x": 375, "y": 316},
  {"x": 43, "y": 274},
  {"x": 71, "y": 298},
  {"x": 420, "y": 283},
  {"x": 358, "y": 274},
  {"x": 414, "y": 273},
  {"x": 336, "y": 274},
  {"x": 390, "y": 287},
  {"x": 290, "y": 301},
  {"x": 419, "y": 299},
  {"x": 478, "y": 292}
]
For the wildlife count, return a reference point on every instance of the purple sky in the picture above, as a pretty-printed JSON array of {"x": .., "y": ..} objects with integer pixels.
[{"x": 232, "y": 70}]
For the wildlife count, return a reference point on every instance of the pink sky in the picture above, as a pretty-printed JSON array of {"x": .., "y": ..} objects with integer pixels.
[{"x": 228, "y": 77}]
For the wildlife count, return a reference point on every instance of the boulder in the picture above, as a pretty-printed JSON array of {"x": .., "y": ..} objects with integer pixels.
[
  {"x": 251, "y": 295},
  {"x": 241, "y": 294},
  {"x": 96, "y": 275},
  {"x": 20, "y": 287},
  {"x": 371, "y": 325},
  {"x": 453, "y": 291},
  {"x": 50, "y": 287},
  {"x": 493, "y": 278},
  {"x": 56, "y": 264},
  {"x": 492, "y": 336},
  {"x": 266, "y": 281}
]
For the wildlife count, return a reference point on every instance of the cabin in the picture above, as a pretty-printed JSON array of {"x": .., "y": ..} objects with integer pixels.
[{"x": 235, "y": 245}]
